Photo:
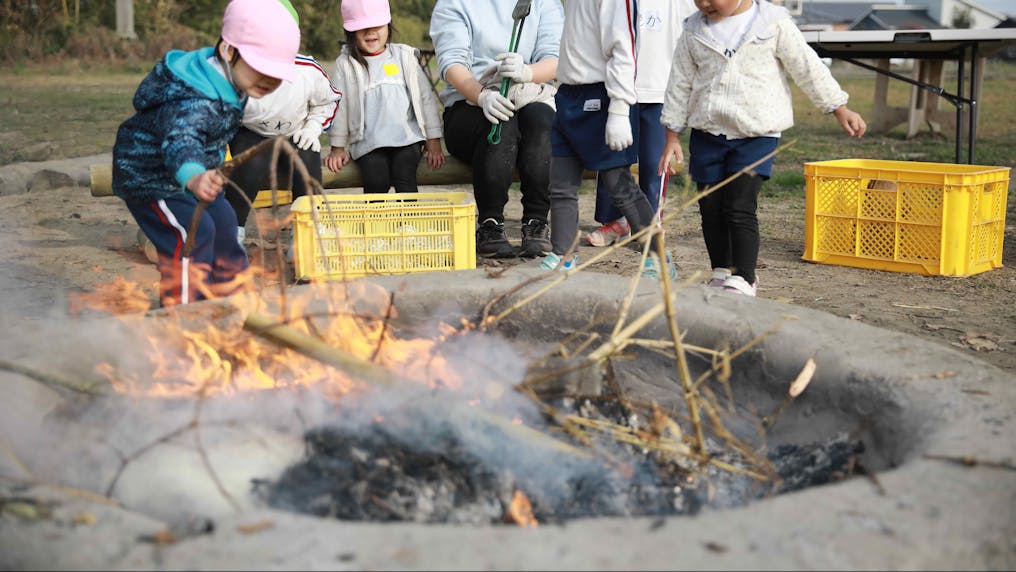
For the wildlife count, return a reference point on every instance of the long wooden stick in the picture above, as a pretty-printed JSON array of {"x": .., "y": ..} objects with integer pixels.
[{"x": 681, "y": 359}]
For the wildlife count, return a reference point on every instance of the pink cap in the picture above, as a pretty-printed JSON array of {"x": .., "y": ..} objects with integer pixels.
[
  {"x": 266, "y": 35},
  {"x": 361, "y": 14}
]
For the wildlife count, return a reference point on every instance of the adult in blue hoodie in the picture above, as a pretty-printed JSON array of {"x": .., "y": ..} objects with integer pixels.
[
  {"x": 471, "y": 38},
  {"x": 166, "y": 155}
]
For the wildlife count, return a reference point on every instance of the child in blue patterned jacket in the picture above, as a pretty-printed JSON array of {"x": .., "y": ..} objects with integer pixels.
[{"x": 166, "y": 155}]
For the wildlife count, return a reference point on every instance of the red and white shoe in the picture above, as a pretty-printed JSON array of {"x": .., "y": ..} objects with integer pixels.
[{"x": 609, "y": 233}]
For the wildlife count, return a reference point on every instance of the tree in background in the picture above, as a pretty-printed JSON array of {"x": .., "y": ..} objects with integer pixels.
[
  {"x": 962, "y": 18},
  {"x": 34, "y": 30}
]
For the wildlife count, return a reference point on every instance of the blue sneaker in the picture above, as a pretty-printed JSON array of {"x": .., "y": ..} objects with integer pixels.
[
  {"x": 552, "y": 261},
  {"x": 651, "y": 268}
]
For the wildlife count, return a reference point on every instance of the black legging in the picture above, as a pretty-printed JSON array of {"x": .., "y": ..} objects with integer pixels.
[
  {"x": 730, "y": 225},
  {"x": 386, "y": 167},
  {"x": 253, "y": 175},
  {"x": 525, "y": 144}
]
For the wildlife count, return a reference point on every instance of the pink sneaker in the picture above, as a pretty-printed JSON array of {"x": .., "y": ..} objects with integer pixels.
[
  {"x": 740, "y": 285},
  {"x": 720, "y": 275},
  {"x": 609, "y": 233}
]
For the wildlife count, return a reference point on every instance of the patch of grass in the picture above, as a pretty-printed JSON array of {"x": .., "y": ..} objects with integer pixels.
[
  {"x": 59, "y": 113},
  {"x": 786, "y": 182},
  {"x": 44, "y": 116}
]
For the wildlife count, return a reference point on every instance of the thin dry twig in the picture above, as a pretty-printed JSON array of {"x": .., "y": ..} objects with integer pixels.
[
  {"x": 49, "y": 379},
  {"x": 796, "y": 388},
  {"x": 87, "y": 495},
  {"x": 971, "y": 461}
]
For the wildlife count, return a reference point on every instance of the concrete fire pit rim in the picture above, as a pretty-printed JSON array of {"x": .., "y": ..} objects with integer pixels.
[
  {"x": 932, "y": 385},
  {"x": 925, "y": 514}
]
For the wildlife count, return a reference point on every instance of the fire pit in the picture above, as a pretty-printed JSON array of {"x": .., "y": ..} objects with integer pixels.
[{"x": 936, "y": 430}]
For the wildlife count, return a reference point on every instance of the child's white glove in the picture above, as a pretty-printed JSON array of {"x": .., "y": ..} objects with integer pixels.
[
  {"x": 308, "y": 137},
  {"x": 619, "y": 135},
  {"x": 496, "y": 107},
  {"x": 513, "y": 68}
]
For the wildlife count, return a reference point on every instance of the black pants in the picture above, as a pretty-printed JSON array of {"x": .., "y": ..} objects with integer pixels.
[
  {"x": 387, "y": 167},
  {"x": 525, "y": 145},
  {"x": 730, "y": 225},
  {"x": 254, "y": 175}
]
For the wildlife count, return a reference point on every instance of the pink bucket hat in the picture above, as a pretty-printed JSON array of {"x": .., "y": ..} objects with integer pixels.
[
  {"x": 266, "y": 35},
  {"x": 361, "y": 14}
]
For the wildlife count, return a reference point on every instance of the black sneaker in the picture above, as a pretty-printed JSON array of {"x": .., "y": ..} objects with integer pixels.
[
  {"x": 491, "y": 240},
  {"x": 535, "y": 239}
]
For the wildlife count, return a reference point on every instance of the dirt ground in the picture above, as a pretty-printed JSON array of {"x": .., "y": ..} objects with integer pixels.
[{"x": 59, "y": 240}]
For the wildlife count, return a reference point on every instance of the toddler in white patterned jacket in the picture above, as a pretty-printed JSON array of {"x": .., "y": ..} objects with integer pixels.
[{"x": 728, "y": 84}]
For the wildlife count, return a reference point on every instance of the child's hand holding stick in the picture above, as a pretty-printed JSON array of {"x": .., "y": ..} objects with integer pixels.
[{"x": 672, "y": 155}]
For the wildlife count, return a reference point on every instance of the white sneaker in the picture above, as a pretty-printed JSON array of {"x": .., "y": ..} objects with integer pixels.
[
  {"x": 720, "y": 275},
  {"x": 739, "y": 285}
]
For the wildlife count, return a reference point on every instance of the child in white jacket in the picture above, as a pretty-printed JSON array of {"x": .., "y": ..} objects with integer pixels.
[
  {"x": 299, "y": 110},
  {"x": 728, "y": 84},
  {"x": 389, "y": 110}
]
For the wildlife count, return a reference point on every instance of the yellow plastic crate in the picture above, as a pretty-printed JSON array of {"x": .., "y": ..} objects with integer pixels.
[
  {"x": 905, "y": 216},
  {"x": 264, "y": 198},
  {"x": 348, "y": 236}
]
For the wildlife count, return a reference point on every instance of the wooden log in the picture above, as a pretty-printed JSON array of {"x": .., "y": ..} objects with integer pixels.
[{"x": 453, "y": 172}]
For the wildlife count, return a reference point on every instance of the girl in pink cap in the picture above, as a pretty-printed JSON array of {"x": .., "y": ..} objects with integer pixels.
[
  {"x": 165, "y": 157},
  {"x": 388, "y": 115}
]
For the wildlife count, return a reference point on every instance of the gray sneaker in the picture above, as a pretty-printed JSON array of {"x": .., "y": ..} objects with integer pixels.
[
  {"x": 491, "y": 240},
  {"x": 535, "y": 239}
]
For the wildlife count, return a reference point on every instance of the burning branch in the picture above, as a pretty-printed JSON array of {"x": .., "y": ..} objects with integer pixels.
[
  {"x": 317, "y": 349},
  {"x": 349, "y": 363}
]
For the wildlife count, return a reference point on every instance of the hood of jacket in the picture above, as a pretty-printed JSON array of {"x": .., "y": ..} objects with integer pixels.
[
  {"x": 763, "y": 27},
  {"x": 179, "y": 75}
]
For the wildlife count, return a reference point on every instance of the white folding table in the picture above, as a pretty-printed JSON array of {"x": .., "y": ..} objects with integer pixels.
[{"x": 964, "y": 46}]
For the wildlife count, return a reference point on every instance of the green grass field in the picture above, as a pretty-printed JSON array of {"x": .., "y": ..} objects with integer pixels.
[{"x": 68, "y": 113}]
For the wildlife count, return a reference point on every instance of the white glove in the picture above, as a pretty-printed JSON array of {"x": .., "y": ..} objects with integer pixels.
[
  {"x": 496, "y": 107},
  {"x": 308, "y": 137},
  {"x": 619, "y": 135},
  {"x": 512, "y": 67}
]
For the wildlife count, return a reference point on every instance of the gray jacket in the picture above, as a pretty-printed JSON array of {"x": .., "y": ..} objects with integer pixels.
[{"x": 350, "y": 79}]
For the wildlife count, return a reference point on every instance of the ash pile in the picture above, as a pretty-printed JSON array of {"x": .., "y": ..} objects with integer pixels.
[{"x": 441, "y": 463}]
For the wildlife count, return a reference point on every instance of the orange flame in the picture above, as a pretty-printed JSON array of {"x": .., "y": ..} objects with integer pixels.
[
  {"x": 199, "y": 353},
  {"x": 520, "y": 511}
]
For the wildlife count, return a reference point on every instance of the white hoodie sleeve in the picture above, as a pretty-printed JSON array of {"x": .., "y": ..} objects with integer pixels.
[
  {"x": 598, "y": 45},
  {"x": 678, "y": 95},
  {"x": 617, "y": 40},
  {"x": 338, "y": 134},
  {"x": 322, "y": 98}
]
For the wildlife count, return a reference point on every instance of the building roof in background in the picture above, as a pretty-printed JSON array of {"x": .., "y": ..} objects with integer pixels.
[
  {"x": 882, "y": 17},
  {"x": 819, "y": 14},
  {"x": 832, "y": 12}
]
